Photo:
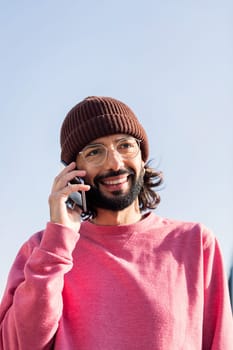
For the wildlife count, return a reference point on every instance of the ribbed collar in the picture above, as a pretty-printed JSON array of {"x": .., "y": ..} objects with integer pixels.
[{"x": 101, "y": 234}]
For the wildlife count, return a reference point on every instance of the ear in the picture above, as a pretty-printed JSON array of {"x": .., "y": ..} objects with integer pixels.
[{"x": 143, "y": 167}]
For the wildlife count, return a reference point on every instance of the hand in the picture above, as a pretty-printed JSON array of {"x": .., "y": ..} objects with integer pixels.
[{"x": 59, "y": 213}]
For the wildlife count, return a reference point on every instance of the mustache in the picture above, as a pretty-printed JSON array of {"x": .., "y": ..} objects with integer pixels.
[{"x": 112, "y": 173}]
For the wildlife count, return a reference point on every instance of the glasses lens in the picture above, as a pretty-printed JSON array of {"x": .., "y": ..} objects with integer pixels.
[
  {"x": 128, "y": 148},
  {"x": 94, "y": 154}
]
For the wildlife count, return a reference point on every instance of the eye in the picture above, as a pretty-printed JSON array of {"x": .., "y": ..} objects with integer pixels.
[
  {"x": 94, "y": 152},
  {"x": 126, "y": 145}
]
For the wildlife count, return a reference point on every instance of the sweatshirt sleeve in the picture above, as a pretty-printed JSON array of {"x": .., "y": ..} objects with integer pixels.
[
  {"x": 218, "y": 321},
  {"x": 32, "y": 303}
]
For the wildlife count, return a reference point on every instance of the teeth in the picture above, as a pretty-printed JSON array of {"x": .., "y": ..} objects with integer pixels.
[{"x": 115, "y": 182}]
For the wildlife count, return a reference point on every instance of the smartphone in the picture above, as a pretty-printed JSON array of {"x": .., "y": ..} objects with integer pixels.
[{"x": 76, "y": 198}]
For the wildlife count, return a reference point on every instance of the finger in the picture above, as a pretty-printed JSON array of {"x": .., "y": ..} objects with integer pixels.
[
  {"x": 70, "y": 188},
  {"x": 67, "y": 169},
  {"x": 64, "y": 177},
  {"x": 66, "y": 191}
]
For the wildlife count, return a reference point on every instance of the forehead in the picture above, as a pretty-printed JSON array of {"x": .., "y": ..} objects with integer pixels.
[{"x": 109, "y": 139}]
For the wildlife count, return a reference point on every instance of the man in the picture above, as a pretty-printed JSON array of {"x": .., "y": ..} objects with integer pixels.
[{"x": 123, "y": 278}]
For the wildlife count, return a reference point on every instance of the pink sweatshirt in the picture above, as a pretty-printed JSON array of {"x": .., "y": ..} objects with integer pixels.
[{"x": 155, "y": 285}]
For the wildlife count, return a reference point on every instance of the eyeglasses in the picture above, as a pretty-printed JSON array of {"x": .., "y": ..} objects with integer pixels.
[{"x": 96, "y": 154}]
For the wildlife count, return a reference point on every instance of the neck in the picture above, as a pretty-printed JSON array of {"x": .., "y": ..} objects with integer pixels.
[{"x": 129, "y": 215}]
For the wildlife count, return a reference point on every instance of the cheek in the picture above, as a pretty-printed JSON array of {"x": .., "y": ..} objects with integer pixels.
[
  {"x": 89, "y": 176},
  {"x": 138, "y": 164},
  {"x": 88, "y": 179},
  {"x": 90, "y": 173}
]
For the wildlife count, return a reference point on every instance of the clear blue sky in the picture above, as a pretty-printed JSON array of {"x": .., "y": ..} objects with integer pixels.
[{"x": 170, "y": 61}]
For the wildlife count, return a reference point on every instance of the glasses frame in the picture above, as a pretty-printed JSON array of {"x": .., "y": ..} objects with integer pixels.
[{"x": 138, "y": 141}]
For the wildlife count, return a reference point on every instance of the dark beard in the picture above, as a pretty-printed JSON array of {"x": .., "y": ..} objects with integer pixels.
[{"x": 96, "y": 199}]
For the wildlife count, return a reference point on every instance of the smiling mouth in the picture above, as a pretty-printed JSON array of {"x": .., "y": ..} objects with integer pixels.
[
  {"x": 116, "y": 185},
  {"x": 117, "y": 181},
  {"x": 114, "y": 180}
]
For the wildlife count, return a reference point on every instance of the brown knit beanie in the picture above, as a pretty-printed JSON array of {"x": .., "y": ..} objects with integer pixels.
[{"x": 95, "y": 117}]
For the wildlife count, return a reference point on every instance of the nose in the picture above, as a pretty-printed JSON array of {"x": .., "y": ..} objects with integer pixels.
[{"x": 114, "y": 160}]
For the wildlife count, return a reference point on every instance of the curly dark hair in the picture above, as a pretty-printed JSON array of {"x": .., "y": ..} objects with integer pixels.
[{"x": 148, "y": 197}]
